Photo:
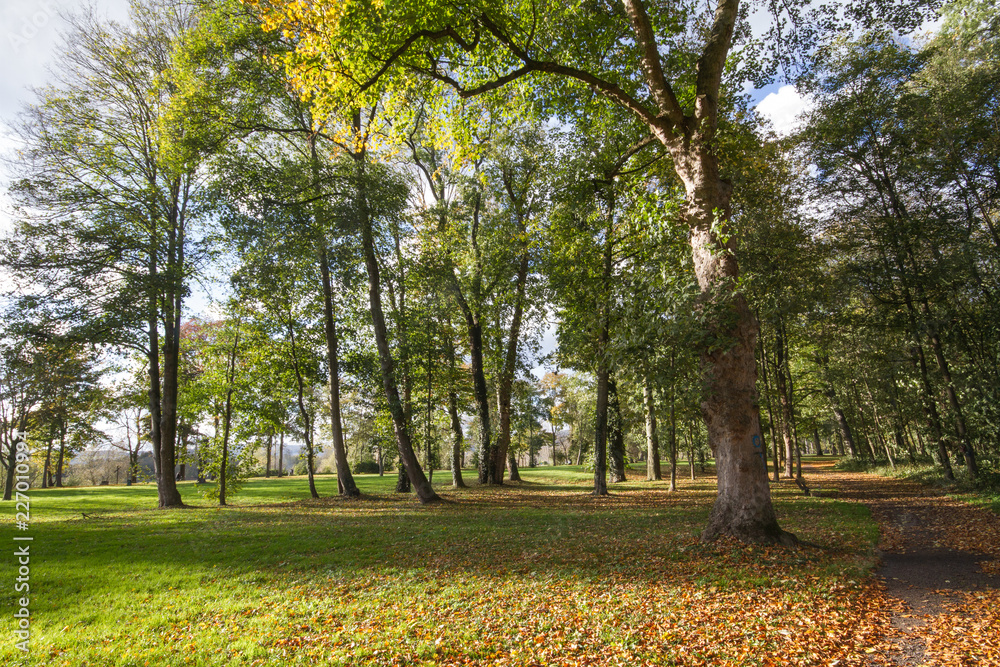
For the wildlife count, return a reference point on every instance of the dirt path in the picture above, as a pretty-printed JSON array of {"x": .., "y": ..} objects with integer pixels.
[{"x": 940, "y": 562}]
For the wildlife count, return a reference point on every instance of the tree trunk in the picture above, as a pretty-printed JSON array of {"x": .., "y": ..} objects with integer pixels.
[
  {"x": 387, "y": 364},
  {"x": 653, "y": 472},
  {"x": 515, "y": 476},
  {"x": 311, "y": 458},
  {"x": 457, "y": 438},
  {"x": 743, "y": 507},
  {"x": 270, "y": 445},
  {"x": 345, "y": 480},
  {"x": 505, "y": 381},
  {"x": 784, "y": 400},
  {"x": 46, "y": 472},
  {"x": 673, "y": 433},
  {"x": 62, "y": 454},
  {"x": 167, "y": 491},
  {"x": 306, "y": 418},
  {"x": 281, "y": 454},
  {"x": 616, "y": 449},
  {"x": 402, "y": 479},
  {"x": 227, "y": 417},
  {"x": 456, "y": 422},
  {"x": 601, "y": 435},
  {"x": 930, "y": 410}
]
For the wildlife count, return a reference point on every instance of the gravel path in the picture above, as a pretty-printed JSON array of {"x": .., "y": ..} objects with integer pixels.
[{"x": 934, "y": 550}]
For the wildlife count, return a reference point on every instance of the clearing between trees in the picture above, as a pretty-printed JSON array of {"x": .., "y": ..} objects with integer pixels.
[{"x": 536, "y": 573}]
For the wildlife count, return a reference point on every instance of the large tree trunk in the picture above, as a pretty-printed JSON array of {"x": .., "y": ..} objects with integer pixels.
[
  {"x": 387, "y": 364},
  {"x": 652, "y": 440},
  {"x": 168, "y": 494},
  {"x": 515, "y": 475},
  {"x": 600, "y": 436},
  {"x": 402, "y": 479},
  {"x": 743, "y": 507}
]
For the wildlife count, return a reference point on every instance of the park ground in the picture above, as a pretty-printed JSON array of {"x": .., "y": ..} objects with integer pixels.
[{"x": 531, "y": 574}]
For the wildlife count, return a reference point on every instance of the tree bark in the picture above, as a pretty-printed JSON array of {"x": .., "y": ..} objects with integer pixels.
[
  {"x": 456, "y": 422},
  {"x": 601, "y": 435},
  {"x": 653, "y": 472},
  {"x": 281, "y": 453},
  {"x": 784, "y": 400},
  {"x": 400, "y": 422},
  {"x": 227, "y": 419},
  {"x": 62, "y": 454},
  {"x": 345, "y": 480},
  {"x": 515, "y": 475},
  {"x": 617, "y": 436}
]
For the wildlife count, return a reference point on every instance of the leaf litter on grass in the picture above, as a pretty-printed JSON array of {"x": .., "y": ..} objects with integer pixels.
[{"x": 513, "y": 576}]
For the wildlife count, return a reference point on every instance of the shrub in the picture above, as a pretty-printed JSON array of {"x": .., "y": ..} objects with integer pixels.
[{"x": 367, "y": 467}]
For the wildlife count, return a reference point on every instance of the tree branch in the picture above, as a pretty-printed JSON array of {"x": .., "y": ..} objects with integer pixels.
[
  {"x": 650, "y": 57},
  {"x": 711, "y": 65}
]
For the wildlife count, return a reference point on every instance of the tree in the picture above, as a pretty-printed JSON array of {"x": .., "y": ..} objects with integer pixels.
[
  {"x": 667, "y": 87},
  {"x": 108, "y": 202}
]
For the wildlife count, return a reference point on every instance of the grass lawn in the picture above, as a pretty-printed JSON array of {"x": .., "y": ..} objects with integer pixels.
[{"x": 537, "y": 573}]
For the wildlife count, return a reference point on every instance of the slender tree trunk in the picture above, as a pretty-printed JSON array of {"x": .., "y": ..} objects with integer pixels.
[
  {"x": 691, "y": 445},
  {"x": 930, "y": 410},
  {"x": 456, "y": 422},
  {"x": 400, "y": 422},
  {"x": 616, "y": 434},
  {"x": 281, "y": 454},
  {"x": 304, "y": 416},
  {"x": 345, "y": 480},
  {"x": 457, "y": 438},
  {"x": 964, "y": 443},
  {"x": 227, "y": 417},
  {"x": 673, "y": 431},
  {"x": 819, "y": 444},
  {"x": 653, "y": 472},
  {"x": 770, "y": 412},
  {"x": 784, "y": 400},
  {"x": 506, "y": 379},
  {"x": 62, "y": 454},
  {"x": 311, "y": 458},
  {"x": 270, "y": 444},
  {"x": 552, "y": 425},
  {"x": 46, "y": 472}
]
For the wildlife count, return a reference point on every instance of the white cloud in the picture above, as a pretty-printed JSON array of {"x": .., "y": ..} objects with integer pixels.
[{"x": 784, "y": 109}]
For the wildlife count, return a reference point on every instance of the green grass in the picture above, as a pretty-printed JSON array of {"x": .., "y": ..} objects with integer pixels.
[{"x": 279, "y": 579}]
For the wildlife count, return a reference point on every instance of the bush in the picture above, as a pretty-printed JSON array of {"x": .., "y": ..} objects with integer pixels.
[{"x": 368, "y": 467}]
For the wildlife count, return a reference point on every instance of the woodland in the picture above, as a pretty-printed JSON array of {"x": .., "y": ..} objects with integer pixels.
[{"x": 548, "y": 251}]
